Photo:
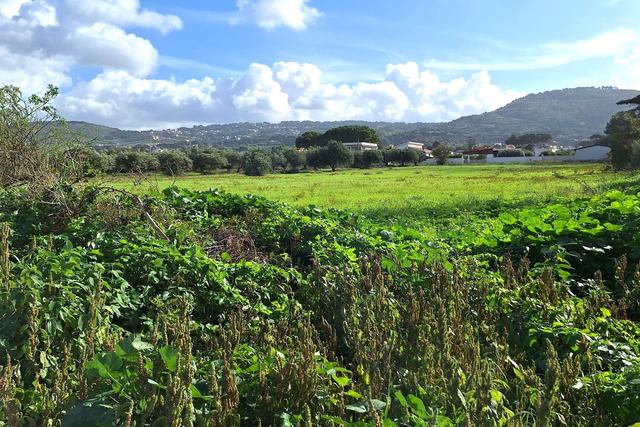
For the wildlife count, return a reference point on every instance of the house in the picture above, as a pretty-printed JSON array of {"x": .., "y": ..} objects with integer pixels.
[
  {"x": 592, "y": 153},
  {"x": 410, "y": 145},
  {"x": 360, "y": 146},
  {"x": 415, "y": 146}
]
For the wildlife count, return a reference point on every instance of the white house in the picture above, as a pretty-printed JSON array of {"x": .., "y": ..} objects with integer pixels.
[
  {"x": 592, "y": 153},
  {"x": 360, "y": 146},
  {"x": 415, "y": 146},
  {"x": 410, "y": 145}
]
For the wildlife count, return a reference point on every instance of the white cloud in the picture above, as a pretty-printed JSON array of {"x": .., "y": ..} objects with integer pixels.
[
  {"x": 122, "y": 13},
  {"x": 107, "y": 46},
  {"x": 41, "y": 41},
  {"x": 270, "y": 14},
  {"x": 284, "y": 91},
  {"x": 615, "y": 44}
]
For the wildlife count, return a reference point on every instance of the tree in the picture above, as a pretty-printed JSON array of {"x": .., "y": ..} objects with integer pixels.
[
  {"x": 278, "y": 159},
  {"x": 353, "y": 133},
  {"x": 441, "y": 153},
  {"x": 174, "y": 163},
  {"x": 392, "y": 155},
  {"x": 37, "y": 149},
  {"x": 234, "y": 160},
  {"x": 623, "y": 136},
  {"x": 409, "y": 156},
  {"x": 308, "y": 139},
  {"x": 338, "y": 155},
  {"x": 295, "y": 159},
  {"x": 316, "y": 158},
  {"x": 256, "y": 163},
  {"x": 368, "y": 158},
  {"x": 136, "y": 162},
  {"x": 207, "y": 162}
]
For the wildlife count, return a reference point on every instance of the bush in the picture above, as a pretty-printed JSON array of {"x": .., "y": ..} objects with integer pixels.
[{"x": 256, "y": 163}]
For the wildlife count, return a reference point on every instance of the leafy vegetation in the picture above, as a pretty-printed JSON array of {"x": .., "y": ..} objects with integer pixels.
[
  {"x": 207, "y": 308},
  {"x": 254, "y": 310}
]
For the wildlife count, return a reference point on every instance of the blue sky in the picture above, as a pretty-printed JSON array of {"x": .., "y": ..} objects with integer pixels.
[
  {"x": 356, "y": 39},
  {"x": 160, "y": 63}
]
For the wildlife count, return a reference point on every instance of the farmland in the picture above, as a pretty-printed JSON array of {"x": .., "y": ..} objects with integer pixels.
[{"x": 402, "y": 192}]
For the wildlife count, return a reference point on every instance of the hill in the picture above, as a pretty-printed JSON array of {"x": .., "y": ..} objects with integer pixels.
[{"x": 569, "y": 115}]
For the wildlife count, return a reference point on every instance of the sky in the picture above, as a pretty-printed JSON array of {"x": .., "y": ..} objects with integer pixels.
[{"x": 139, "y": 64}]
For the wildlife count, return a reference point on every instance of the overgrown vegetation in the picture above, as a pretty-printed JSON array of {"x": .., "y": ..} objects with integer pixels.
[{"x": 187, "y": 308}]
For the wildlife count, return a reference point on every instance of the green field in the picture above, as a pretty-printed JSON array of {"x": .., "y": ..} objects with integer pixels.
[{"x": 405, "y": 191}]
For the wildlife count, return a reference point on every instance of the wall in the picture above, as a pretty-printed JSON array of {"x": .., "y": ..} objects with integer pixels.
[
  {"x": 588, "y": 156},
  {"x": 597, "y": 152}
]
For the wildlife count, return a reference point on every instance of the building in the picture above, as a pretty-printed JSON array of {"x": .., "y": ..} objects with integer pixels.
[
  {"x": 415, "y": 146},
  {"x": 360, "y": 146},
  {"x": 478, "y": 153},
  {"x": 410, "y": 145},
  {"x": 592, "y": 153}
]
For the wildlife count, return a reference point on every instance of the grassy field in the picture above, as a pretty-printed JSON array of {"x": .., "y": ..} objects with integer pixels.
[{"x": 397, "y": 191}]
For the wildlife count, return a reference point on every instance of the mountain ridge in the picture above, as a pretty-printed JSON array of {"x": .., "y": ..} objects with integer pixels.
[{"x": 568, "y": 115}]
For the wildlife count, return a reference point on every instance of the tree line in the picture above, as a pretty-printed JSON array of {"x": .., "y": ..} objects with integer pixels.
[{"x": 254, "y": 162}]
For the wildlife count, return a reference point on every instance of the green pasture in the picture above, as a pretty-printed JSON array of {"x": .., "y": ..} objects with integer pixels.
[{"x": 403, "y": 191}]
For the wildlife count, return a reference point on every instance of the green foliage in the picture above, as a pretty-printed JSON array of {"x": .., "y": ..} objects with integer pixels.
[
  {"x": 308, "y": 139},
  {"x": 623, "y": 135},
  {"x": 208, "y": 162},
  {"x": 174, "y": 163},
  {"x": 368, "y": 158},
  {"x": 351, "y": 133},
  {"x": 337, "y": 155},
  {"x": 295, "y": 159},
  {"x": 256, "y": 163},
  {"x": 136, "y": 162},
  {"x": 510, "y": 153},
  {"x": 441, "y": 154},
  {"x": 253, "y": 311}
]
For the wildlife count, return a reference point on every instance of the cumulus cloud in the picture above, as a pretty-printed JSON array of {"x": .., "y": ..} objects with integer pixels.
[
  {"x": 270, "y": 14},
  {"x": 122, "y": 13},
  {"x": 284, "y": 91},
  {"x": 41, "y": 41}
]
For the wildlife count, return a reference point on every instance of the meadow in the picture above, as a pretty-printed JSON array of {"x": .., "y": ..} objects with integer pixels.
[{"x": 403, "y": 191}]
